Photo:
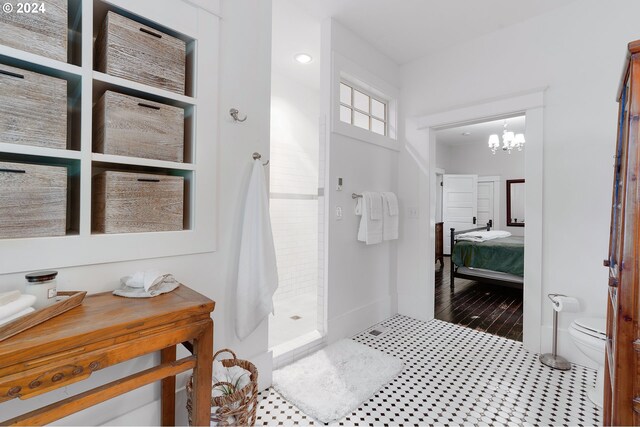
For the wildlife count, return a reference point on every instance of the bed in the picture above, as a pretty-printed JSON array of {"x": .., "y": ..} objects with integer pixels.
[{"x": 499, "y": 261}]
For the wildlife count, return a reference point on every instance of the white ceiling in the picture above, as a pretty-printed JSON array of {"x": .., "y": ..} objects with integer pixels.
[
  {"x": 479, "y": 132},
  {"x": 405, "y": 30},
  {"x": 294, "y": 31}
]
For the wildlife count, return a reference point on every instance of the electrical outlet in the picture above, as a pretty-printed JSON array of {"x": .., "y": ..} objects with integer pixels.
[
  {"x": 412, "y": 212},
  {"x": 338, "y": 213}
]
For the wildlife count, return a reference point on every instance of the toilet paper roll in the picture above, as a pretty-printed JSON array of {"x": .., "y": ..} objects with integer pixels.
[{"x": 566, "y": 304}]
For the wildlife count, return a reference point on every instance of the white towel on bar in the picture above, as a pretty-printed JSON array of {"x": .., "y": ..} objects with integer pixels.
[
  {"x": 16, "y": 306},
  {"x": 370, "y": 230},
  {"x": 16, "y": 315},
  {"x": 374, "y": 204},
  {"x": 257, "y": 269},
  {"x": 391, "y": 217},
  {"x": 391, "y": 201}
]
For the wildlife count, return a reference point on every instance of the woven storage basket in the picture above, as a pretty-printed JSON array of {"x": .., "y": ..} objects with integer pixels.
[{"x": 238, "y": 408}]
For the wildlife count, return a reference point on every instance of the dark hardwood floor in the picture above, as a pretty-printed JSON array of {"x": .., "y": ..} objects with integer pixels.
[{"x": 481, "y": 306}]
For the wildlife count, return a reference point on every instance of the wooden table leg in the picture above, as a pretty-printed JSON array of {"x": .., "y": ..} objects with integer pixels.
[
  {"x": 201, "y": 412},
  {"x": 168, "y": 389}
]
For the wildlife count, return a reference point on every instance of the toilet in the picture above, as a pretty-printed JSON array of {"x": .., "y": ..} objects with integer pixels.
[{"x": 590, "y": 336}]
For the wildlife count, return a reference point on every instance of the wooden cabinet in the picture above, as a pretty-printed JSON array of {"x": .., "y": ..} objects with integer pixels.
[
  {"x": 439, "y": 243},
  {"x": 622, "y": 361}
]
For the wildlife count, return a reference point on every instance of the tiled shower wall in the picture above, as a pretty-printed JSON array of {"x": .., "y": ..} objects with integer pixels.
[
  {"x": 295, "y": 234},
  {"x": 294, "y": 163}
]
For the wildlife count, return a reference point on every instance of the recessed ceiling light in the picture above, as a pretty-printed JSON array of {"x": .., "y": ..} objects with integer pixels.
[
  {"x": 303, "y": 58},
  {"x": 466, "y": 133}
]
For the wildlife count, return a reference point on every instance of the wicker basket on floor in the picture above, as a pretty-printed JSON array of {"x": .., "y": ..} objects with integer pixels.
[{"x": 238, "y": 408}]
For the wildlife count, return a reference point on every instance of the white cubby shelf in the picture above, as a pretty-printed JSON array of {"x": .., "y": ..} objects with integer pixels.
[{"x": 85, "y": 87}]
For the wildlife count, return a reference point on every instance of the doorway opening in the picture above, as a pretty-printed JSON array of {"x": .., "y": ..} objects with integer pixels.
[
  {"x": 480, "y": 283},
  {"x": 296, "y": 171}
]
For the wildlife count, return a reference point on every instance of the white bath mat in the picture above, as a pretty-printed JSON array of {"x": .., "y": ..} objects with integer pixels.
[{"x": 334, "y": 381}]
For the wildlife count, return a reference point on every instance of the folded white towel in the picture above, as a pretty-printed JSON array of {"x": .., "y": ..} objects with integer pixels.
[
  {"x": 167, "y": 285},
  {"x": 390, "y": 221},
  {"x": 370, "y": 231},
  {"x": 145, "y": 279},
  {"x": 16, "y": 306},
  {"x": 483, "y": 236},
  {"x": 257, "y": 267},
  {"x": 7, "y": 297},
  {"x": 374, "y": 204},
  {"x": 392, "y": 202},
  {"x": 18, "y": 314}
]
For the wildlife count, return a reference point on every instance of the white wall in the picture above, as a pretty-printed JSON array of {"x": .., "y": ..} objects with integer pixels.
[
  {"x": 476, "y": 158},
  {"x": 578, "y": 52},
  {"x": 245, "y": 84},
  {"x": 295, "y": 109},
  {"x": 361, "y": 278},
  {"x": 443, "y": 157}
]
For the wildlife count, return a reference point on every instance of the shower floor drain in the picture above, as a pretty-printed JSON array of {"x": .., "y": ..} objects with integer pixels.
[
  {"x": 378, "y": 330},
  {"x": 296, "y": 317}
]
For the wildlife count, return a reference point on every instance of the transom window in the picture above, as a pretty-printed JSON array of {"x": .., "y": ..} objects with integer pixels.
[{"x": 362, "y": 109}]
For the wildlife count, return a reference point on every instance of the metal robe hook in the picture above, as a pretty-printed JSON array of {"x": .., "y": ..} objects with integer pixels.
[
  {"x": 234, "y": 113},
  {"x": 258, "y": 156}
]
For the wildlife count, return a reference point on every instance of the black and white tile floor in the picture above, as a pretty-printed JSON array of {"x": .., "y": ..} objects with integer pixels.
[{"x": 458, "y": 376}]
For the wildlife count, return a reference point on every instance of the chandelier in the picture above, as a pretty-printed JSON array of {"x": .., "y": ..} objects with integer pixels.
[{"x": 510, "y": 141}]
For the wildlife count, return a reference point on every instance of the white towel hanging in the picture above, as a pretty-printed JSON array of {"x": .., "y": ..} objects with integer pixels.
[
  {"x": 257, "y": 270},
  {"x": 370, "y": 230},
  {"x": 390, "y": 218}
]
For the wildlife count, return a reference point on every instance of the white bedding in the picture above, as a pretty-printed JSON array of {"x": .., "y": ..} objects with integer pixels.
[{"x": 483, "y": 236}]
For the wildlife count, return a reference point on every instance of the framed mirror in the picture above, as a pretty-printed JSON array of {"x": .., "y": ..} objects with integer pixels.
[{"x": 515, "y": 202}]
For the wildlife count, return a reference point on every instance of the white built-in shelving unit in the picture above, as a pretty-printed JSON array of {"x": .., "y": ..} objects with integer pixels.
[{"x": 85, "y": 86}]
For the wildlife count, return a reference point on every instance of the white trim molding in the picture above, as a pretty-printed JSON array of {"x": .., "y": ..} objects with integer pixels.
[
  {"x": 417, "y": 298},
  {"x": 344, "y": 69}
]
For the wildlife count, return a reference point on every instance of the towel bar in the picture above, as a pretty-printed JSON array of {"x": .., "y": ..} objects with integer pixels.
[{"x": 356, "y": 196}]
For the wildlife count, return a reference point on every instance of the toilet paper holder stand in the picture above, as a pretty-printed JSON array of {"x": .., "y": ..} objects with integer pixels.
[{"x": 552, "y": 359}]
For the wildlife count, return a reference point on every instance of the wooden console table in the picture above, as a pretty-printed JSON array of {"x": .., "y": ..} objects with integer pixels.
[{"x": 103, "y": 331}]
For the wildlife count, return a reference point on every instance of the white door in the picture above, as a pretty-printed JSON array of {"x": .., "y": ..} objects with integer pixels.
[
  {"x": 485, "y": 203},
  {"x": 459, "y": 205}
]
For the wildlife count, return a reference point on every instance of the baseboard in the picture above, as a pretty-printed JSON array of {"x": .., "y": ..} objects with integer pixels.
[{"x": 359, "y": 319}]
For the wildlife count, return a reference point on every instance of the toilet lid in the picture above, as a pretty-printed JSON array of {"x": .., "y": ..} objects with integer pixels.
[{"x": 596, "y": 326}]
